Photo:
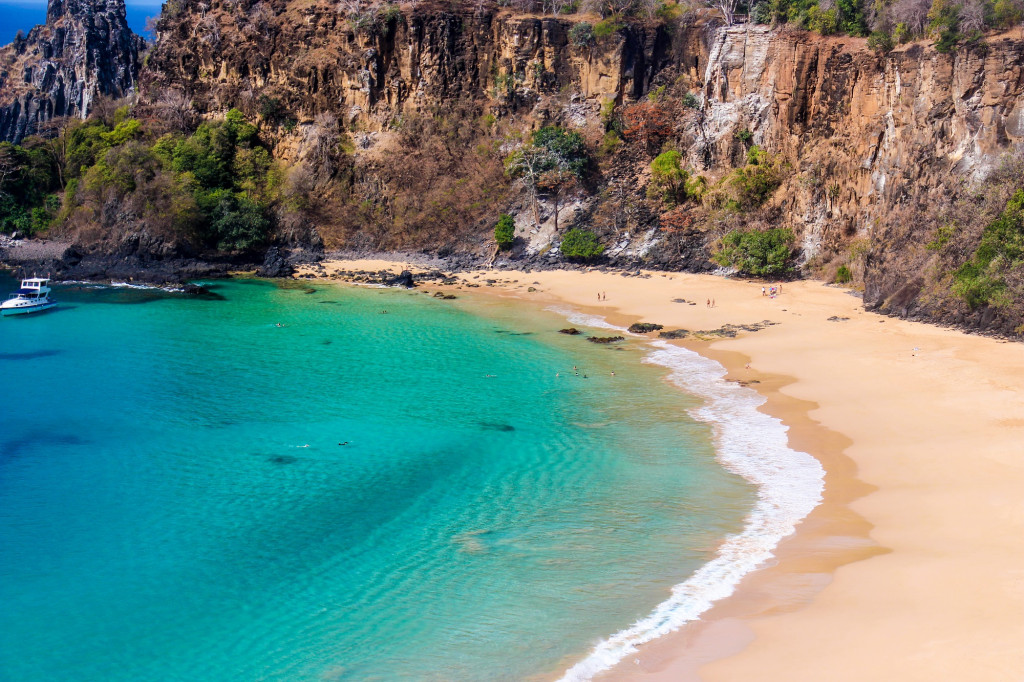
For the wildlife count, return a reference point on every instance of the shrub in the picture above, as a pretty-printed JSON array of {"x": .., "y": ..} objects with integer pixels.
[
  {"x": 668, "y": 179},
  {"x": 691, "y": 101},
  {"x": 880, "y": 41},
  {"x": 505, "y": 231},
  {"x": 762, "y": 13},
  {"x": 843, "y": 275},
  {"x": 609, "y": 143},
  {"x": 767, "y": 253},
  {"x": 239, "y": 225},
  {"x": 580, "y": 244},
  {"x": 582, "y": 34},
  {"x": 983, "y": 279},
  {"x": 607, "y": 28}
]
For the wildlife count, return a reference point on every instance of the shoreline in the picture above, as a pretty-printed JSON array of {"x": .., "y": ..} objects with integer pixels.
[{"x": 839, "y": 381}]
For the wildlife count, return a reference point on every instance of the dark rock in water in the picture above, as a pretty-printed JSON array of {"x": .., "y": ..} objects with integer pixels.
[
  {"x": 571, "y": 331},
  {"x": 444, "y": 296},
  {"x": 644, "y": 327},
  {"x": 605, "y": 339},
  {"x": 674, "y": 334},
  {"x": 403, "y": 280},
  {"x": 202, "y": 292},
  {"x": 31, "y": 355},
  {"x": 494, "y": 426},
  {"x": 282, "y": 459},
  {"x": 274, "y": 264}
]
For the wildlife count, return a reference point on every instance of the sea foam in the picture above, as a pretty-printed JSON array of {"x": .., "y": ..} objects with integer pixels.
[{"x": 748, "y": 443}]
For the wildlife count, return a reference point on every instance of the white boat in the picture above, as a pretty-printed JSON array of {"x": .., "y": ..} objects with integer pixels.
[{"x": 32, "y": 297}]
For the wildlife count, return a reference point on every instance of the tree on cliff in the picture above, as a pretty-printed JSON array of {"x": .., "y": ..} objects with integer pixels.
[{"x": 552, "y": 163}]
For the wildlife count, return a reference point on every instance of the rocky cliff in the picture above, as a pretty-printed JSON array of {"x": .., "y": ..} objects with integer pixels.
[
  {"x": 84, "y": 50},
  {"x": 861, "y": 130}
]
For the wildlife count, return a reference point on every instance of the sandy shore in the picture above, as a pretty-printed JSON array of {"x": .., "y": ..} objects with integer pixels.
[{"x": 913, "y": 567}]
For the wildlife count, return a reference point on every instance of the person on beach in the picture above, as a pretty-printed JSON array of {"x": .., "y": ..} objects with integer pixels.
[{"x": 762, "y": 292}]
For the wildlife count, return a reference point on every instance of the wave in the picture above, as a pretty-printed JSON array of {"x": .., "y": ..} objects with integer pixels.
[
  {"x": 583, "y": 319},
  {"x": 748, "y": 443}
]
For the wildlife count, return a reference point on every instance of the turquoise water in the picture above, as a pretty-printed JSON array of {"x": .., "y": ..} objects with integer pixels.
[{"x": 175, "y": 504}]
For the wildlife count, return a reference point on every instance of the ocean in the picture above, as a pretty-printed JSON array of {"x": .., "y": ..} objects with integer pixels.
[{"x": 190, "y": 491}]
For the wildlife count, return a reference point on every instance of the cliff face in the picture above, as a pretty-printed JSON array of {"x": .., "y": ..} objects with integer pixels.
[
  {"x": 864, "y": 134},
  {"x": 309, "y": 58},
  {"x": 85, "y": 49},
  {"x": 861, "y": 130}
]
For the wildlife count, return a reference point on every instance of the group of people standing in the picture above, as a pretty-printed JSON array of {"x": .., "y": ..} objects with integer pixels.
[{"x": 772, "y": 291}]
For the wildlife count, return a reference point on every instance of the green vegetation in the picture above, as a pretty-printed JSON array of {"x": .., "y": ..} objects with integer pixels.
[
  {"x": 28, "y": 184},
  {"x": 767, "y": 253},
  {"x": 843, "y": 275},
  {"x": 505, "y": 231},
  {"x": 578, "y": 244},
  {"x": 671, "y": 183},
  {"x": 553, "y": 162},
  {"x": 751, "y": 186},
  {"x": 607, "y": 27},
  {"x": 984, "y": 278},
  {"x": 581, "y": 34},
  {"x": 210, "y": 188}
]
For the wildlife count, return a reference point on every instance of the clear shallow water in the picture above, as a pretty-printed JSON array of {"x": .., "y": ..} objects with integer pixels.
[{"x": 162, "y": 518}]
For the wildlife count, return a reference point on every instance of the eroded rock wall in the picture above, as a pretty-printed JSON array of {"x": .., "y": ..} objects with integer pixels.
[
  {"x": 863, "y": 131},
  {"x": 85, "y": 49}
]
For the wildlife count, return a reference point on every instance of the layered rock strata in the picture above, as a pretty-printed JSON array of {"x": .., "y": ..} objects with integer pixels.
[{"x": 84, "y": 50}]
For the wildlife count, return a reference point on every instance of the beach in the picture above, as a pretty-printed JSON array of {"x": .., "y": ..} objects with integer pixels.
[{"x": 912, "y": 568}]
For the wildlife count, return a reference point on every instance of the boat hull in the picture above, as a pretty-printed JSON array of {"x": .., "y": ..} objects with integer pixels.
[{"x": 26, "y": 309}]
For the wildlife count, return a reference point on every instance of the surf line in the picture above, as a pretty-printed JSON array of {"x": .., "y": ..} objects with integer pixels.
[{"x": 748, "y": 443}]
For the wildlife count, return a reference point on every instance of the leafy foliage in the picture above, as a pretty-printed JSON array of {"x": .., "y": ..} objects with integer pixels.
[
  {"x": 752, "y": 185},
  {"x": 581, "y": 34},
  {"x": 767, "y": 253},
  {"x": 982, "y": 280},
  {"x": 578, "y": 244},
  {"x": 505, "y": 231}
]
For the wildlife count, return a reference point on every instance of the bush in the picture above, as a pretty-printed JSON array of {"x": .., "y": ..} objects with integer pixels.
[
  {"x": 607, "y": 28},
  {"x": 880, "y": 41},
  {"x": 843, "y": 275},
  {"x": 691, "y": 101},
  {"x": 580, "y": 244},
  {"x": 754, "y": 184},
  {"x": 582, "y": 34},
  {"x": 982, "y": 279},
  {"x": 761, "y": 254},
  {"x": 762, "y": 13},
  {"x": 505, "y": 231},
  {"x": 668, "y": 179},
  {"x": 240, "y": 225}
]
